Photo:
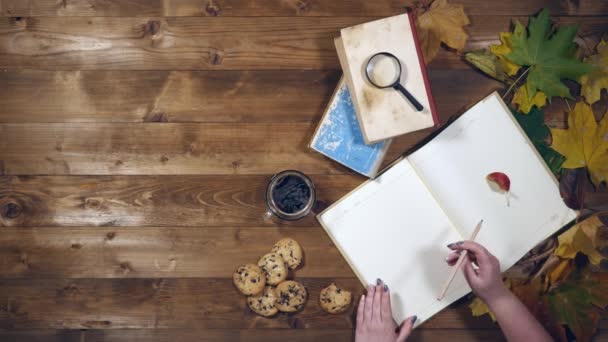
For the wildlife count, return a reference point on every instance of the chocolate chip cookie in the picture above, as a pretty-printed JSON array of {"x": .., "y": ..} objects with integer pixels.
[
  {"x": 334, "y": 299},
  {"x": 263, "y": 303},
  {"x": 291, "y": 296},
  {"x": 290, "y": 251},
  {"x": 274, "y": 268},
  {"x": 249, "y": 279}
]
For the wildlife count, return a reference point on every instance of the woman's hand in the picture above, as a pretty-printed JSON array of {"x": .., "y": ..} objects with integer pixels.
[
  {"x": 516, "y": 322},
  {"x": 485, "y": 281},
  {"x": 375, "y": 318}
]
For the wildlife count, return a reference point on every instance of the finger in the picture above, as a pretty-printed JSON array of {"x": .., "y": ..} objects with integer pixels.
[
  {"x": 360, "y": 311},
  {"x": 369, "y": 298},
  {"x": 481, "y": 254},
  {"x": 469, "y": 272},
  {"x": 377, "y": 307},
  {"x": 453, "y": 257},
  {"x": 387, "y": 312},
  {"x": 406, "y": 329}
]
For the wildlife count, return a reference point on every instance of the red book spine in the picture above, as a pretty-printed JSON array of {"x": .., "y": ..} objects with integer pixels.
[{"x": 427, "y": 85}]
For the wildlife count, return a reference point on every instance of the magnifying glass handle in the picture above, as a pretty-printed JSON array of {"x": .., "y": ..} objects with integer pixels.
[{"x": 409, "y": 97}]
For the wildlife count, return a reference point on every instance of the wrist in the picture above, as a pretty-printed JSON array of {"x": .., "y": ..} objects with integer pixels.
[{"x": 494, "y": 298}]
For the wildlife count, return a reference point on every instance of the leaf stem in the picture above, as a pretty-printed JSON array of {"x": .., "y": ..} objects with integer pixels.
[{"x": 517, "y": 80}]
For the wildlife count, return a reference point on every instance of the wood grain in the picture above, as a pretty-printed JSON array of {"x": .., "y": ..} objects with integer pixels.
[
  {"x": 168, "y": 252},
  {"x": 208, "y": 303},
  {"x": 183, "y": 303},
  {"x": 280, "y": 7},
  {"x": 151, "y": 201},
  {"x": 279, "y": 335},
  {"x": 268, "y": 335},
  {"x": 136, "y": 141},
  {"x": 200, "y": 96},
  {"x": 190, "y": 43},
  {"x": 167, "y": 148}
]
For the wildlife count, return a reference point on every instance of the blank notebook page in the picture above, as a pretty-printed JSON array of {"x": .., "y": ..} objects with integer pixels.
[
  {"x": 392, "y": 228},
  {"x": 454, "y": 166}
]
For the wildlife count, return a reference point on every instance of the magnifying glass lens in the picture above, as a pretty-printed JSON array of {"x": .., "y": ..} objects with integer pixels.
[{"x": 383, "y": 70}]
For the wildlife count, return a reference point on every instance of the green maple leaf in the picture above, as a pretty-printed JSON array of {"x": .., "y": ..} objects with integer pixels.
[
  {"x": 534, "y": 126},
  {"x": 579, "y": 303},
  {"x": 551, "y": 57}
]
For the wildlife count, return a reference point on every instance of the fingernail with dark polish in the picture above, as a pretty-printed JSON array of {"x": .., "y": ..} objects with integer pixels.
[
  {"x": 414, "y": 319},
  {"x": 453, "y": 244},
  {"x": 385, "y": 287},
  {"x": 378, "y": 282}
]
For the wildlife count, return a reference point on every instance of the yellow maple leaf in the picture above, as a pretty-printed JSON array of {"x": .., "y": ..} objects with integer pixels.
[
  {"x": 443, "y": 22},
  {"x": 585, "y": 237},
  {"x": 584, "y": 143},
  {"x": 479, "y": 308},
  {"x": 502, "y": 49},
  {"x": 596, "y": 80},
  {"x": 559, "y": 273},
  {"x": 524, "y": 102}
]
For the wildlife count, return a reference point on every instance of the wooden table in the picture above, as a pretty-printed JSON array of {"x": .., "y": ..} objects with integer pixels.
[{"x": 136, "y": 140}]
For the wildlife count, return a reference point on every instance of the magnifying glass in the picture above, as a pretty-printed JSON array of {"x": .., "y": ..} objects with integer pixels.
[{"x": 383, "y": 71}]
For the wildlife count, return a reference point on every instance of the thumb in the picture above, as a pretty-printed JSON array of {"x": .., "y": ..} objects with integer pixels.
[{"x": 406, "y": 329}]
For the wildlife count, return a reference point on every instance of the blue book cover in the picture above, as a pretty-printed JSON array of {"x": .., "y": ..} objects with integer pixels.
[{"x": 339, "y": 136}]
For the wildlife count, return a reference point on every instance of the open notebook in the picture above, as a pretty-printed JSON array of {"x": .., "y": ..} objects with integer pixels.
[{"x": 397, "y": 226}]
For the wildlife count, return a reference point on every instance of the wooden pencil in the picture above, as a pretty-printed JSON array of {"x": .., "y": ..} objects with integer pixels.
[{"x": 458, "y": 264}]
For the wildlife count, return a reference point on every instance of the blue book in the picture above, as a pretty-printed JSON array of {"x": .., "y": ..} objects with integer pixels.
[{"x": 339, "y": 136}]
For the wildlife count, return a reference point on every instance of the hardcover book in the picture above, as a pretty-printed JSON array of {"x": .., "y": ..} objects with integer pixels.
[
  {"x": 385, "y": 113},
  {"x": 396, "y": 227},
  {"x": 339, "y": 136}
]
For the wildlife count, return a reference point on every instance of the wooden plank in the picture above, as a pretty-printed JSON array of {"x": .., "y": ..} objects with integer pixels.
[
  {"x": 167, "y": 148},
  {"x": 165, "y": 96},
  {"x": 280, "y": 7},
  {"x": 165, "y": 201},
  {"x": 149, "y": 303},
  {"x": 207, "y": 303},
  {"x": 200, "y": 96},
  {"x": 182, "y": 335},
  {"x": 191, "y": 43},
  {"x": 178, "y": 335},
  {"x": 182, "y": 303},
  {"x": 169, "y": 252}
]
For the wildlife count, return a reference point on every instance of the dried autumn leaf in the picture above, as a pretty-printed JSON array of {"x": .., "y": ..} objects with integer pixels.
[
  {"x": 579, "y": 301},
  {"x": 588, "y": 237},
  {"x": 561, "y": 271},
  {"x": 532, "y": 295},
  {"x": 504, "y": 48},
  {"x": 571, "y": 187},
  {"x": 479, "y": 308},
  {"x": 487, "y": 62},
  {"x": 443, "y": 22},
  {"x": 597, "y": 79},
  {"x": 550, "y": 57},
  {"x": 584, "y": 143},
  {"x": 524, "y": 101}
]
